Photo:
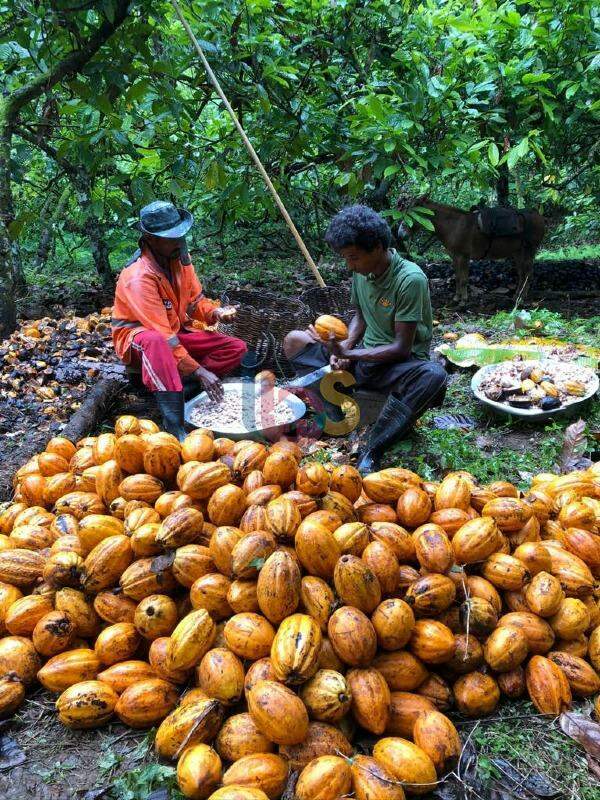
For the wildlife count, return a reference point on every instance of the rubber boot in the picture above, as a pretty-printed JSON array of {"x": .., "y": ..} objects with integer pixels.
[
  {"x": 170, "y": 405},
  {"x": 392, "y": 422}
]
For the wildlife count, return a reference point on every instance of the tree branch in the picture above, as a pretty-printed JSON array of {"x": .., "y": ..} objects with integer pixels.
[
  {"x": 72, "y": 63},
  {"x": 586, "y": 164}
]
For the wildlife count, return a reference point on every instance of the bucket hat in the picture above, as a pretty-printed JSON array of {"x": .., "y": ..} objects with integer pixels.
[{"x": 165, "y": 220}]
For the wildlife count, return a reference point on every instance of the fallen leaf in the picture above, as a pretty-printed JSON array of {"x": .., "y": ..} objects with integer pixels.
[
  {"x": 573, "y": 447},
  {"x": 446, "y": 422},
  {"x": 593, "y": 766},
  {"x": 583, "y": 730},
  {"x": 11, "y": 755}
]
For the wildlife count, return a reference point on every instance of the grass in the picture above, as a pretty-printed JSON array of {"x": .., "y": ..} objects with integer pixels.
[
  {"x": 137, "y": 784},
  {"x": 570, "y": 252},
  {"x": 531, "y": 742},
  {"x": 496, "y": 449}
]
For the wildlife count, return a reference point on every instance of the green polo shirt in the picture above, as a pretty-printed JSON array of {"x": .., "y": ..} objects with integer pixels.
[{"x": 401, "y": 294}]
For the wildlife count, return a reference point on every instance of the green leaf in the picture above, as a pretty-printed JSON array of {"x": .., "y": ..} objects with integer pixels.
[
  {"x": 108, "y": 9},
  {"x": 573, "y": 89},
  {"x": 422, "y": 220},
  {"x": 343, "y": 179},
  {"x": 212, "y": 178},
  {"x": 493, "y": 154},
  {"x": 137, "y": 90},
  {"x": 535, "y": 77},
  {"x": 263, "y": 98},
  {"x": 103, "y": 104}
]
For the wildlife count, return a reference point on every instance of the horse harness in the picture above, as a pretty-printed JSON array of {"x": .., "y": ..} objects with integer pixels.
[{"x": 499, "y": 222}]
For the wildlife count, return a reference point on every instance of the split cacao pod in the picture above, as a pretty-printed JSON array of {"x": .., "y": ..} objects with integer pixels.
[
  {"x": 190, "y": 724},
  {"x": 547, "y": 686}
]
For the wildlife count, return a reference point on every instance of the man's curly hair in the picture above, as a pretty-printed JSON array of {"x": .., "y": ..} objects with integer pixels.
[{"x": 358, "y": 226}]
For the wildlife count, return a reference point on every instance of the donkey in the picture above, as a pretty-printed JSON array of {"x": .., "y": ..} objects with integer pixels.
[{"x": 494, "y": 233}]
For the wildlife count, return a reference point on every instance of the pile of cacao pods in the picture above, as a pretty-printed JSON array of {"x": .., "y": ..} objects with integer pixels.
[
  {"x": 267, "y": 612},
  {"x": 47, "y": 365}
]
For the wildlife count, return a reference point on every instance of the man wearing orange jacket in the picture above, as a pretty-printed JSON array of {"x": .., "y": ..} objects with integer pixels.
[{"x": 158, "y": 295}]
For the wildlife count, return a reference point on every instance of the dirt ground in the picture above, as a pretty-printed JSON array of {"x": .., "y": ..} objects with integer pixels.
[{"x": 61, "y": 764}]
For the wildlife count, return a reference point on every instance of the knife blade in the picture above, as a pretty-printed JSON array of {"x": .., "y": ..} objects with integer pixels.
[{"x": 309, "y": 378}]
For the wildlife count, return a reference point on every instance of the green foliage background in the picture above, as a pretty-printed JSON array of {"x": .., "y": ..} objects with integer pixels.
[{"x": 343, "y": 100}]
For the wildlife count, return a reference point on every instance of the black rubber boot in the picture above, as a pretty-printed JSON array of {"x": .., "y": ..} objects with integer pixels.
[
  {"x": 170, "y": 405},
  {"x": 392, "y": 422}
]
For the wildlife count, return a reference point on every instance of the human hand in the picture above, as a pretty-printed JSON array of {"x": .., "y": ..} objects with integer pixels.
[
  {"x": 314, "y": 335},
  {"x": 336, "y": 362},
  {"x": 225, "y": 313},
  {"x": 211, "y": 383},
  {"x": 338, "y": 350}
]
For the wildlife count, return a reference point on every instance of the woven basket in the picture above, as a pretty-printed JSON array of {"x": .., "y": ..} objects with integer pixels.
[
  {"x": 263, "y": 312},
  {"x": 328, "y": 300}
]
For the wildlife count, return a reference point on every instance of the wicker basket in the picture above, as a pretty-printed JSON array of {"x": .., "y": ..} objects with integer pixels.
[
  {"x": 263, "y": 312},
  {"x": 328, "y": 300}
]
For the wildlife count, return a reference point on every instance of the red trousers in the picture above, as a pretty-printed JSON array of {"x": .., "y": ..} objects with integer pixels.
[{"x": 213, "y": 351}]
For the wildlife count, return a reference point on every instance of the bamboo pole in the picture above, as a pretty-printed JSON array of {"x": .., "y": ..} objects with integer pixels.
[{"x": 253, "y": 154}]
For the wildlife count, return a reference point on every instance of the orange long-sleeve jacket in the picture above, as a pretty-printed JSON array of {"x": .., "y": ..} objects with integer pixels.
[{"x": 146, "y": 299}]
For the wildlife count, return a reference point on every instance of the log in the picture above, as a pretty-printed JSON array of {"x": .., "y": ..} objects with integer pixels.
[{"x": 93, "y": 408}]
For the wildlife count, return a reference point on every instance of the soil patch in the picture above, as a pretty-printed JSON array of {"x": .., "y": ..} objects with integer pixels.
[{"x": 62, "y": 764}]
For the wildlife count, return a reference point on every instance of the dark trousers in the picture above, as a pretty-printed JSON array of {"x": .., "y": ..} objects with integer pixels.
[{"x": 417, "y": 383}]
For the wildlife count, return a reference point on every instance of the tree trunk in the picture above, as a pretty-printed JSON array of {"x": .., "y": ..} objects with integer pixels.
[
  {"x": 10, "y": 107},
  {"x": 47, "y": 237},
  {"x": 8, "y": 308},
  {"x": 503, "y": 185},
  {"x": 94, "y": 229}
]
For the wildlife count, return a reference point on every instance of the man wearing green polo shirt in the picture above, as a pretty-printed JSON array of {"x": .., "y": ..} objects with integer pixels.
[{"x": 389, "y": 335}]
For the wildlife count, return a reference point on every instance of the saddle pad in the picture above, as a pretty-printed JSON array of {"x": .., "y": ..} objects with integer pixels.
[{"x": 500, "y": 221}]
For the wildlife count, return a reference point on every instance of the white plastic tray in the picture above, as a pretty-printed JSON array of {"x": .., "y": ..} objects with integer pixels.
[
  {"x": 254, "y": 431},
  {"x": 534, "y": 414}
]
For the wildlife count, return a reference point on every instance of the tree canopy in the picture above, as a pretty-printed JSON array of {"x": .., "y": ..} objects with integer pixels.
[{"x": 105, "y": 107}]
